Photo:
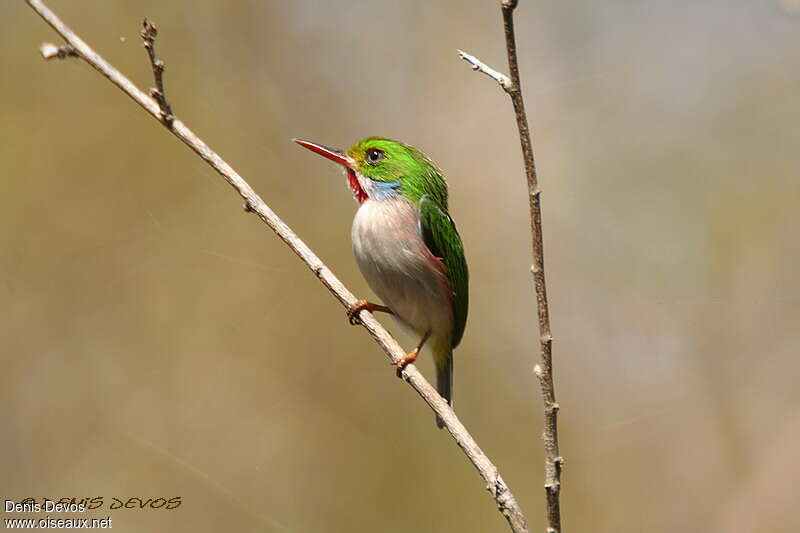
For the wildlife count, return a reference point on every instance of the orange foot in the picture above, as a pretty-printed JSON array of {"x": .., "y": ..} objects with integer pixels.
[
  {"x": 405, "y": 361},
  {"x": 354, "y": 310}
]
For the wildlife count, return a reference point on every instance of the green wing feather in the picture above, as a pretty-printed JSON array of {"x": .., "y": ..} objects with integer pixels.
[{"x": 441, "y": 236}]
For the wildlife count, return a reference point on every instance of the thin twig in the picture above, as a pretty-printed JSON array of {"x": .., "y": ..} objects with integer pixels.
[
  {"x": 502, "y": 80},
  {"x": 149, "y": 34},
  {"x": 502, "y": 495},
  {"x": 543, "y": 369}
]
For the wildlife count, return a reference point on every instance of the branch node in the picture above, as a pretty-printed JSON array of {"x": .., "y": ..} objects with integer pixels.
[
  {"x": 50, "y": 51},
  {"x": 248, "y": 207},
  {"x": 498, "y": 491},
  {"x": 149, "y": 34}
]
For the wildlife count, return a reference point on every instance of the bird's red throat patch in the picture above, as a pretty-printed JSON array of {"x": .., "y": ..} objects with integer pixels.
[{"x": 358, "y": 192}]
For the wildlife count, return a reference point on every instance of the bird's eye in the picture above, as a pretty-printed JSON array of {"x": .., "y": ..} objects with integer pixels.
[{"x": 374, "y": 156}]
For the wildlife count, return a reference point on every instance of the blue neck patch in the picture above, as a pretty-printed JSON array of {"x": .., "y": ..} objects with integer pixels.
[{"x": 381, "y": 190}]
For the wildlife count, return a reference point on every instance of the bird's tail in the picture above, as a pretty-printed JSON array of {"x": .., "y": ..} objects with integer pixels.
[{"x": 444, "y": 377}]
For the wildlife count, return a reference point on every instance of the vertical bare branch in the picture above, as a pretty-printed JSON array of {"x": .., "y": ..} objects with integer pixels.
[
  {"x": 544, "y": 369},
  {"x": 494, "y": 484}
]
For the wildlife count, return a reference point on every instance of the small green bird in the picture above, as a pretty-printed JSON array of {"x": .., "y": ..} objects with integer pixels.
[{"x": 407, "y": 246}]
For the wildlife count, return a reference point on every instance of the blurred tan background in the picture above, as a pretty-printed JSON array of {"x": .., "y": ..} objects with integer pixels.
[{"x": 157, "y": 341}]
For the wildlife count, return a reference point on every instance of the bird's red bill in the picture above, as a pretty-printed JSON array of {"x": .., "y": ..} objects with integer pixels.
[{"x": 336, "y": 156}]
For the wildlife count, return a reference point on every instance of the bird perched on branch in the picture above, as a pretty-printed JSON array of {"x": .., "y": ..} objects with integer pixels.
[{"x": 407, "y": 246}]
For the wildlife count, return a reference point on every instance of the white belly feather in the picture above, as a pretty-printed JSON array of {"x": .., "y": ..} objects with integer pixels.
[{"x": 399, "y": 268}]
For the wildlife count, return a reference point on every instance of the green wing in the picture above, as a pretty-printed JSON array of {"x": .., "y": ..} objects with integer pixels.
[{"x": 441, "y": 236}]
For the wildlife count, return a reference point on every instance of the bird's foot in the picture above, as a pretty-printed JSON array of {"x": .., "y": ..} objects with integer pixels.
[
  {"x": 354, "y": 310},
  {"x": 402, "y": 363}
]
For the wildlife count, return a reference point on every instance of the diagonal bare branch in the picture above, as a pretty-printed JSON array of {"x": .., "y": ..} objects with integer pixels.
[
  {"x": 506, "y": 503},
  {"x": 544, "y": 368}
]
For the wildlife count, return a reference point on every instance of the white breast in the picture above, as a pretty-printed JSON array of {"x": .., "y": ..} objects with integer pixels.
[{"x": 398, "y": 266}]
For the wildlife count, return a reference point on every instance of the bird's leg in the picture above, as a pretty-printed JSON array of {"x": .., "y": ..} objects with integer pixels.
[
  {"x": 411, "y": 356},
  {"x": 354, "y": 310}
]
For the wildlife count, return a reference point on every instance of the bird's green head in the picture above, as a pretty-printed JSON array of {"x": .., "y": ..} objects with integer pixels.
[{"x": 380, "y": 169}]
